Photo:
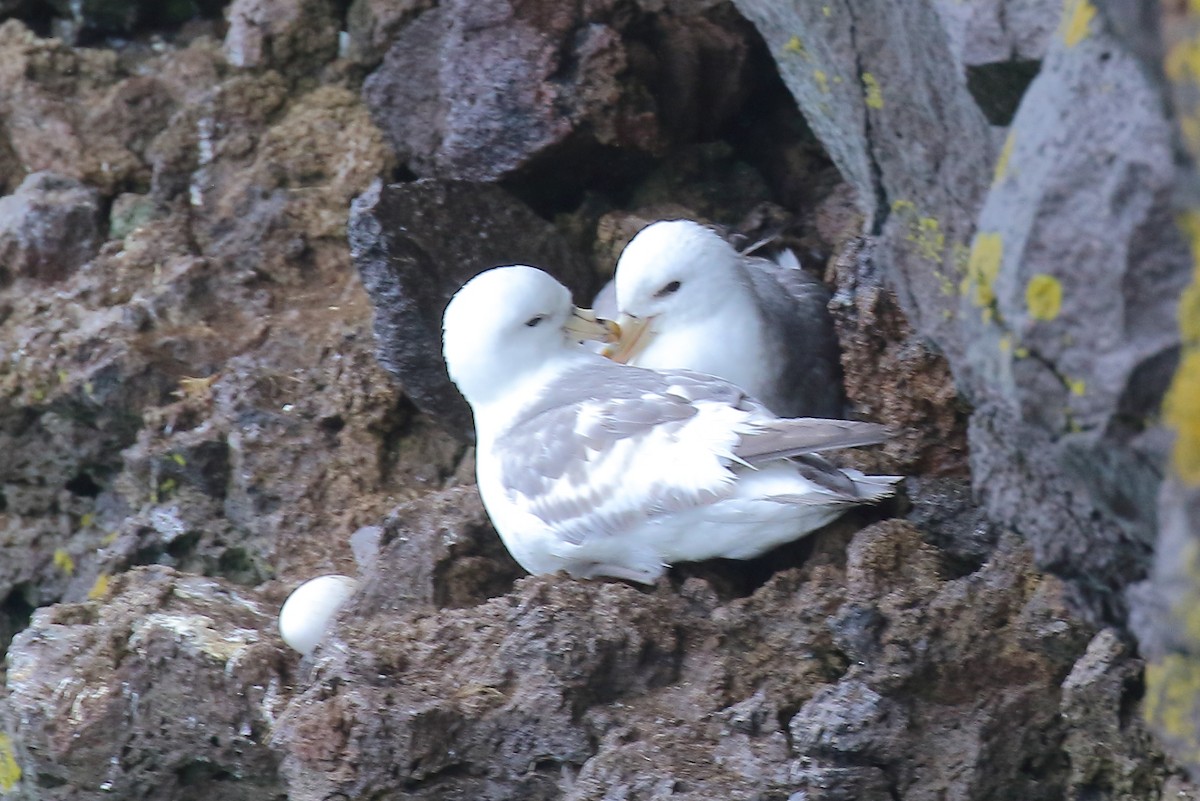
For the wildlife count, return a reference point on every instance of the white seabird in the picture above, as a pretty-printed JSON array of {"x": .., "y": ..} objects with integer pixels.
[
  {"x": 601, "y": 469},
  {"x": 689, "y": 300}
]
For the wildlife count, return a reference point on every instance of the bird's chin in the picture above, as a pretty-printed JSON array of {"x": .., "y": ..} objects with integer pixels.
[{"x": 636, "y": 335}]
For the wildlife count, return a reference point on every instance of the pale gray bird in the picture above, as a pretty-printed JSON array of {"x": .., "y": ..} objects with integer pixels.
[
  {"x": 602, "y": 469},
  {"x": 689, "y": 300}
]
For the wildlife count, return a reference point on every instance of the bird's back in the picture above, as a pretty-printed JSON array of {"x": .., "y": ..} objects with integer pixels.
[{"x": 808, "y": 382}]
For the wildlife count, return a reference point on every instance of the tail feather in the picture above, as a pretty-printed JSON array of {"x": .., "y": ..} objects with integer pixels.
[
  {"x": 872, "y": 489},
  {"x": 867, "y": 489}
]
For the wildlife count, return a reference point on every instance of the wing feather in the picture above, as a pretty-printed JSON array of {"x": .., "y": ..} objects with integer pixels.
[
  {"x": 611, "y": 446},
  {"x": 781, "y": 438}
]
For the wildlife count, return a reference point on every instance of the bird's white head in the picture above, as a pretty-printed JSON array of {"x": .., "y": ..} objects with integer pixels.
[
  {"x": 509, "y": 321},
  {"x": 677, "y": 268},
  {"x": 671, "y": 274}
]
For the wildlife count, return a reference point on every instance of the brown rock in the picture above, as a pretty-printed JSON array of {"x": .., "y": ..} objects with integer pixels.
[
  {"x": 437, "y": 552},
  {"x": 891, "y": 376},
  {"x": 48, "y": 228},
  {"x": 292, "y": 36},
  {"x": 108, "y": 692},
  {"x": 415, "y": 245},
  {"x": 480, "y": 91},
  {"x": 373, "y": 24}
]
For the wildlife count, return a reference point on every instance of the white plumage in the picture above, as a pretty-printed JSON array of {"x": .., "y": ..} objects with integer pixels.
[
  {"x": 602, "y": 469},
  {"x": 689, "y": 300}
]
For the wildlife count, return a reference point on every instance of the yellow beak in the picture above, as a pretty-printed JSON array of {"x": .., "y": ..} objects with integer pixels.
[
  {"x": 583, "y": 324},
  {"x": 635, "y": 336}
]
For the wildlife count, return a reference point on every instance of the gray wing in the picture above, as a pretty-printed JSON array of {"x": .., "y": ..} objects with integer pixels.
[
  {"x": 794, "y": 304},
  {"x": 780, "y": 439},
  {"x": 577, "y": 457}
]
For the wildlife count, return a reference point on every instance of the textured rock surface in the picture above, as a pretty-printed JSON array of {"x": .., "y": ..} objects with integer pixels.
[
  {"x": 1044, "y": 263},
  {"x": 1166, "y": 612},
  {"x": 600, "y": 690},
  {"x": 290, "y": 36},
  {"x": 415, "y": 245},
  {"x": 107, "y": 692},
  {"x": 198, "y": 388},
  {"x": 202, "y": 391},
  {"x": 48, "y": 228},
  {"x": 476, "y": 91}
]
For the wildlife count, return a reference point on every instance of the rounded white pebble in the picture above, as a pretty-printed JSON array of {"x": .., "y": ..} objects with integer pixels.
[{"x": 307, "y": 611}]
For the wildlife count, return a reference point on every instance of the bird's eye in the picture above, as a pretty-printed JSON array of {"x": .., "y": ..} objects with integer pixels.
[
  {"x": 669, "y": 289},
  {"x": 532, "y": 322}
]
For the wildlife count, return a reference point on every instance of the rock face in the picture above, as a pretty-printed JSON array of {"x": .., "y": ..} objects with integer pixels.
[
  {"x": 195, "y": 416},
  {"x": 99, "y": 687},
  {"x": 590, "y": 690},
  {"x": 475, "y": 91},
  {"x": 1165, "y": 615},
  {"x": 48, "y": 227},
  {"x": 1023, "y": 254},
  {"x": 415, "y": 245}
]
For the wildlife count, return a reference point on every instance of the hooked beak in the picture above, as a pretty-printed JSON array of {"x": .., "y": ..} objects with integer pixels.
[
  {"x": 583, "y": 324},
  {"x": 635, "y": 337}
]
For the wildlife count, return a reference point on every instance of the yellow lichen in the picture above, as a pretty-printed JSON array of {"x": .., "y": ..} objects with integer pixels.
[
  {"x": 983, "y": 267},
  {"x": 1181, "y": 409},
  {"x": 191, "y": 388},
  {"x": 822, "y": 81},
  {"x": 1181, "y": 406},
  {"x": 795, "y": 47},
  {"x": 1005, "y": 154},
  {"x": 827, "y": 11},
  {"x": 960, "y": 256},
  {"x": 1043, "y": 297},
  {"x": 1006, "y": 343},
  {"x": 109, "y": 538},
  {"x": 1186, "y": 608},
  {"x": 1189, "y": 301},
  {"x": 1077, "y": 386},
  {"x": 64, "y": 562},
  {"x": 945, "y": 285},
  {"x": 87, "y": 519},
  {"x": 10, "y": 771},
  {"x": 1076, "y": 21},
  {"x": 1172, "y": 693},
  {"x": 924, "y": 232},
  {"x": 1182, "y": 60},
  {"x": 927, "y": 235},
  {"x": 99, "y": 588},
  {"x": 874, "y": 93},
  {"x": 178, "y": 459}
]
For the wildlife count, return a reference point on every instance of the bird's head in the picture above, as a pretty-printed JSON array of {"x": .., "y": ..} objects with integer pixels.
[
  {"x": 672, "y": 273},
  {"x": 508, "y": 321}
]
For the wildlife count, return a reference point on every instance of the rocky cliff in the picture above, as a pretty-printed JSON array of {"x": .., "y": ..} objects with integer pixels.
[{"x": 227, "y": 231}]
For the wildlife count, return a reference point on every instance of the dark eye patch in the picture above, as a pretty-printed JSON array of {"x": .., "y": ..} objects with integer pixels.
[
  {"x": 533, "y": 322},
  {"x": 669, "y": 289}
]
